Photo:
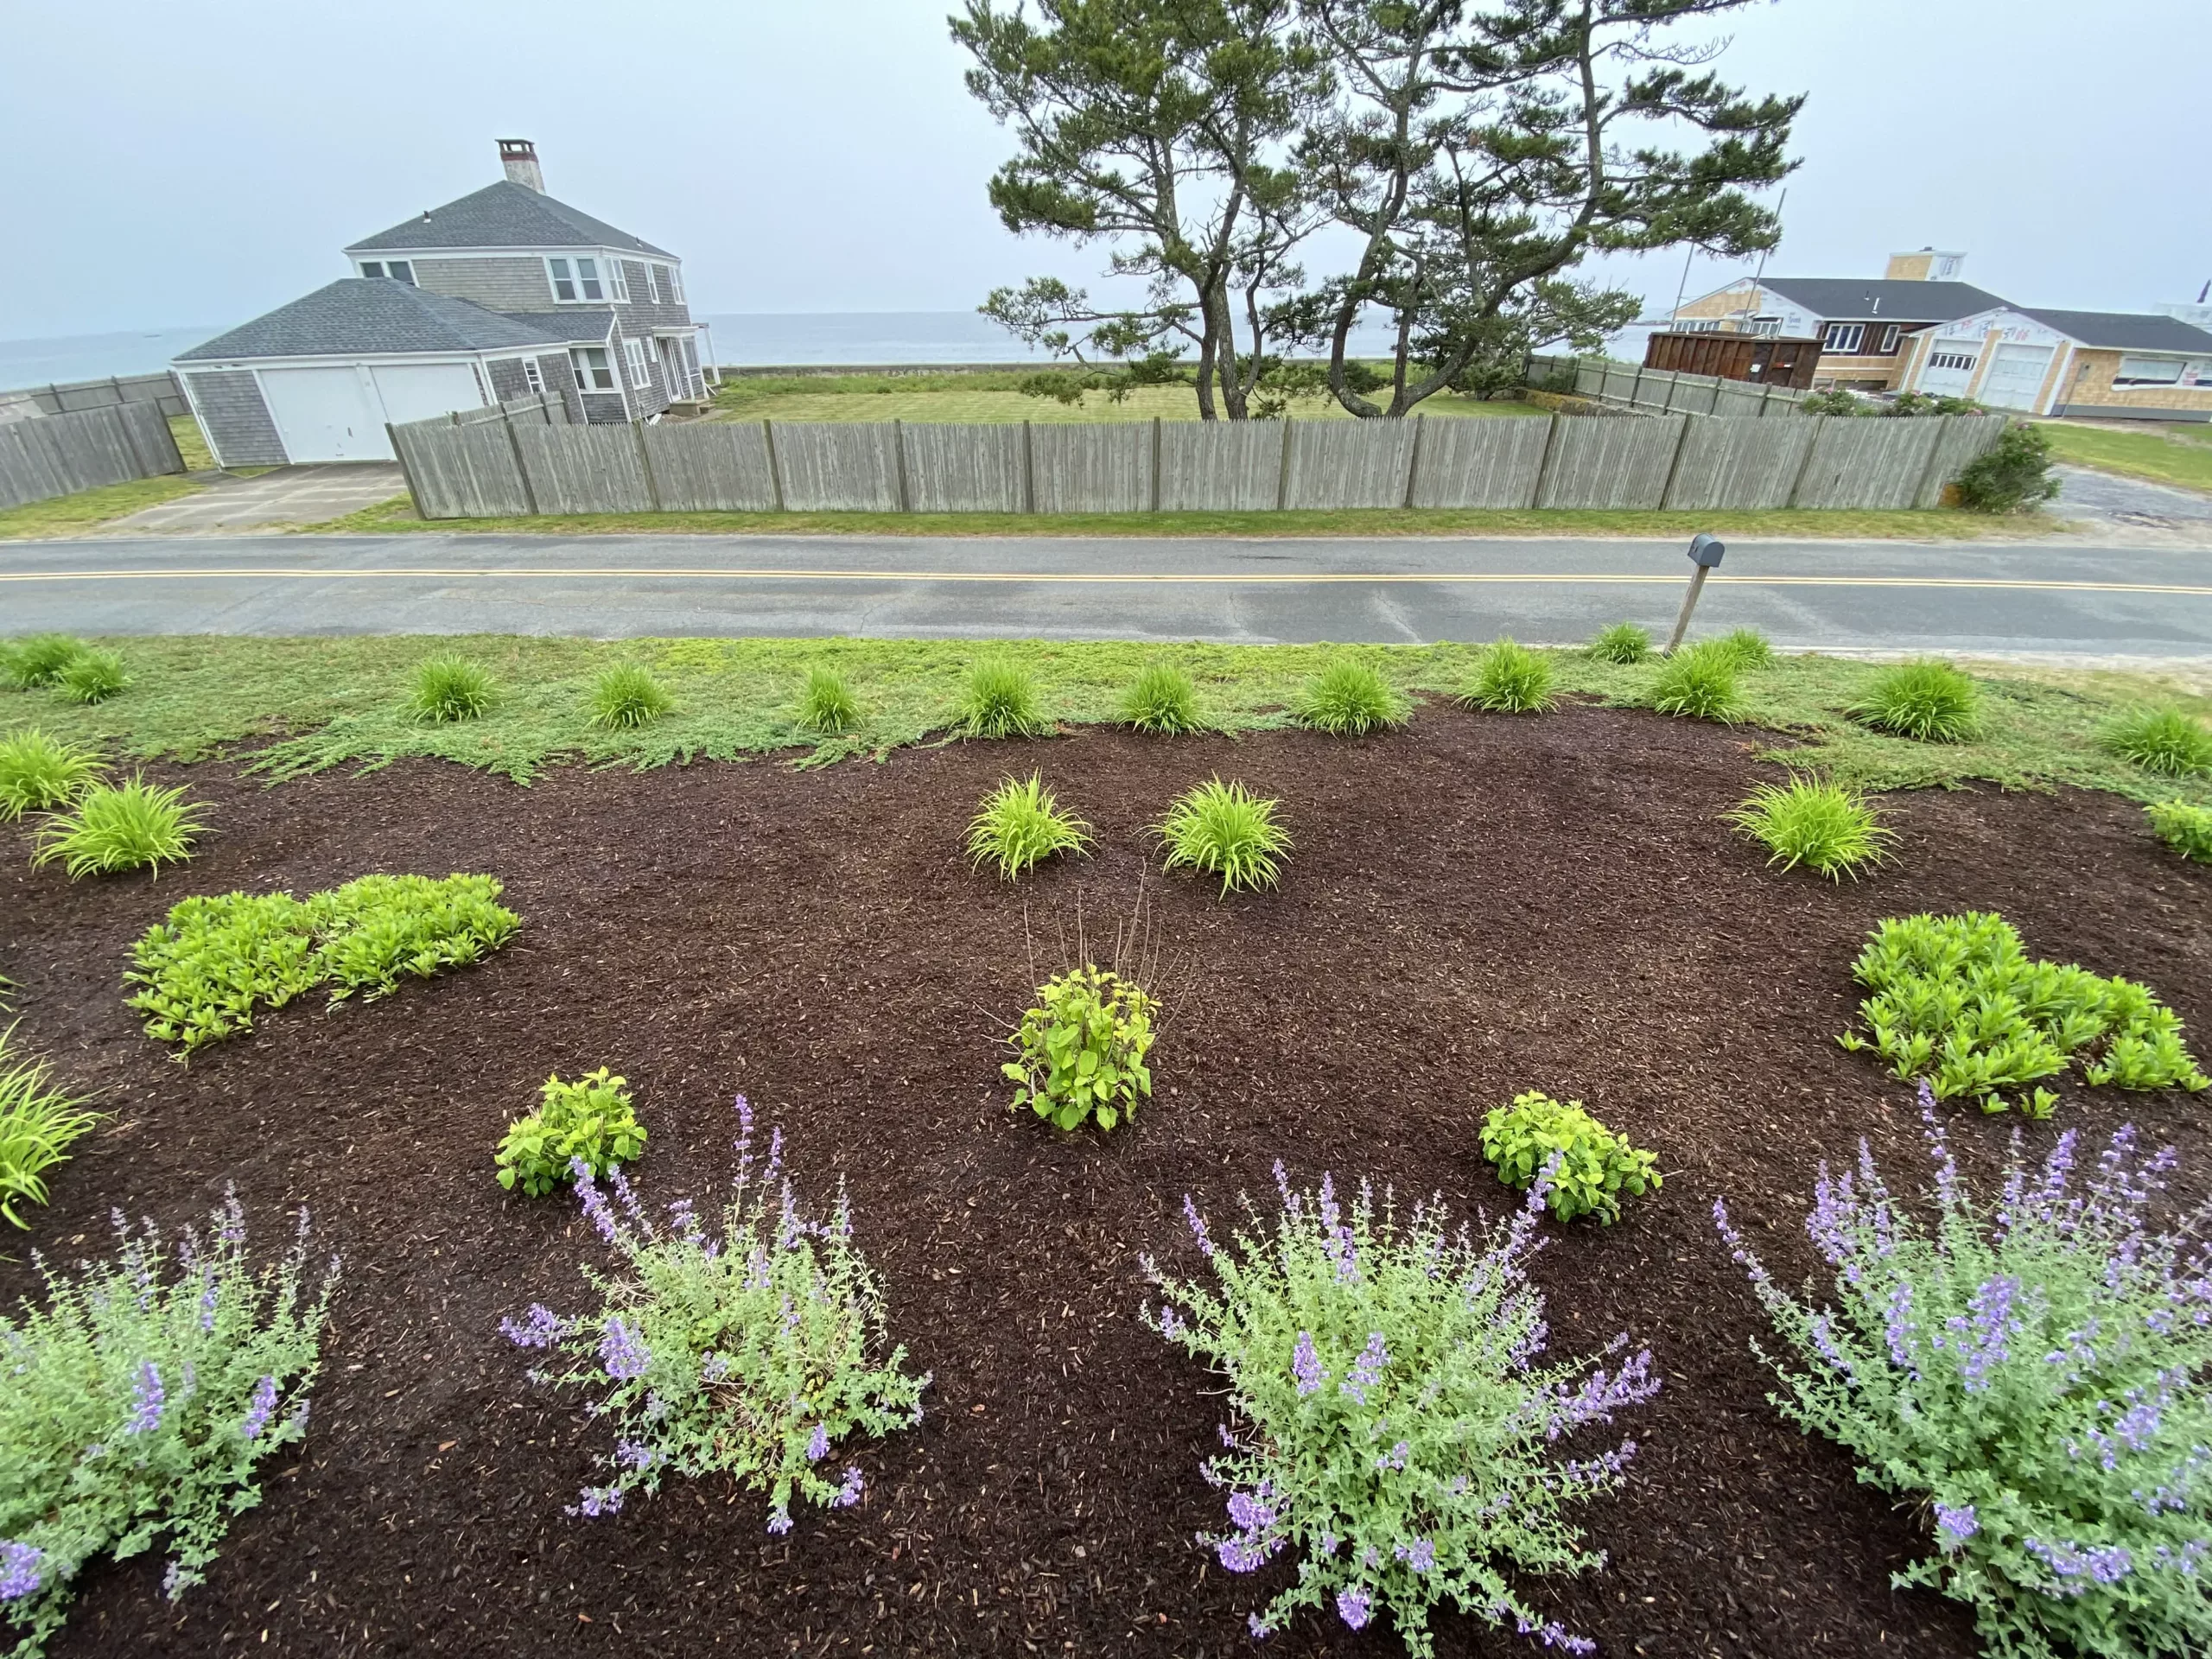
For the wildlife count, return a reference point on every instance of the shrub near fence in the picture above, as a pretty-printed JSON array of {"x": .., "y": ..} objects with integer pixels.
[
  {"x": 495, "y": 464},
  {"x": 61, "y": 454}
]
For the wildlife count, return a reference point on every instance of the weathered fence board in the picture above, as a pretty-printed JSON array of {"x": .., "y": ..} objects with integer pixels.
[
  {"x": 1220, "y": 466},
  {"x": 460, "y": 471},
  {"x": 839, "y": 467},
  {"x": 1467, "y": 462},
  {"x": 1858, "y": 462},
  {"x": 965, "y": 468},
  {"x": 711, "y": 466},
  {"x": 583, "y": 468},
  {"x": 1104, "y": 468},
  {"x": 1740, "y": 463},
  {"x": 1963, "y": 438},
  {"x": 1349, "y": 463},
  {"x": 1611, "y": 463},
  {"x": 61, "y": 454}
]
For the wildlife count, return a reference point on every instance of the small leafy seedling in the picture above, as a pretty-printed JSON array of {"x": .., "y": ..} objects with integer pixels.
[
  {"x": 627, "y": 696},
  {"x": 1928, "y": 701},
  {"x": 1510, "y": 679},
  {"x": 827, "y": 705},
  {"x": 38, "y": 773},
  {"x": 1348, "y": 698},
  {"x": 1162, "y": 701},
  {"x": 1081, "y": 1049},
  {"x": 115, "y": 827},
  {"x": 1622, "y": 643},
  {"x": 450, "y": 688},
  {"x": 1700, "y": 683},
  {"x": 1829, "y": 829},
  {"x": 1019, "y": 824},
  {"x": 1591, "y": 1167},
  {"x": 2163, "y": 740},
  {"x": 2186, "y": 828},
  {"x": 1001, "y": 701},
  {"x": 590, "y": 1119},
  {"x": 1224, "y": 830}
]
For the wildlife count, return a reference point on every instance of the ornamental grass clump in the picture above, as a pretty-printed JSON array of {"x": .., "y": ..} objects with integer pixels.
[
  {"x": 202, "y": 971},
  {"x": 1162, "y": 702},
  {"x": 38, "y": 773},
  {"x": 1019, "y": 824},
  {"x": 747, "y": 1350},
  {"x": 1746, "y": 647},
  {"x": 1080, "y": 1050},
  {"x": 627, "y": 697},
  {"x": 1955, "y": 1000},
  {"x": 2186, "y": 828},
  {"x": 91, "y": 676},
  {"x": 589, "y": 1124},
  {"x": 1510, "y": 679},
  {"x": 2036, "y": 1375},
  {"x": 1813, "y": 821},
  {"x": 2163, "y": 740},
  {"x": 1348, "y": 698},
  {"x": 140, "y": 1400},
  {"x": 1928, "y": 701},
  {"x": 1586, "y": 1168},
  {"x": 38, "y": 659},
  {"x": 1224, "y": 830},
  {"x": 1393, "y": 1423},
  {"x": 1700, "y": 683},
  {"x": 1001, "y": 701},
  {"x": 827, "y": 705},
  {"x": 450, "y": 688},
  {"x": 112, "y": 828},
  {"x": 1622, "y": 643},
  {"x": 38, "y": 1124}
]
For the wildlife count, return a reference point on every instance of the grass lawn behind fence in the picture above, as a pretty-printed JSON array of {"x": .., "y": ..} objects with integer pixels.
[
  {"x": 995, "y": 398},
  {"x": 70, "y": 515},
  {"x": 2179, "y": 454}
]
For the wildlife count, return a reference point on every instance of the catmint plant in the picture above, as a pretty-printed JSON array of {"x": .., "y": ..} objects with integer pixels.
[
  {"x": 744, "y": 1350},
  {"x": 138, "y": 1403},
  {"x": 1394, "y": 1427},
  {"x": 2035, "y": 1372}
]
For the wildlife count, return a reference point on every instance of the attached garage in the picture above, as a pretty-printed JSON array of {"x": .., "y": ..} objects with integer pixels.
[
  {"x": 325, "y": 413},
  {"x": 2102, "y": 364},
  {"x": 1948, "y": 370},
  {"x": 2015, "y": 376}
]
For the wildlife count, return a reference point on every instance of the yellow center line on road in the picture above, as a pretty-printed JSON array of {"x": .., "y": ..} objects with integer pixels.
[{"x": 1164, "y": 578}]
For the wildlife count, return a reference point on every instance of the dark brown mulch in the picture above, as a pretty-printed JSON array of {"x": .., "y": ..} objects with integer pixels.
[{"x": 1480, "y": 905}]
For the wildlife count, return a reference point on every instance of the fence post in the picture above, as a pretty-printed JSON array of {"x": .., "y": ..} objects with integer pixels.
[
  {"x": 775, "y": 467},
  {"x": 1766, "y": 396},
  {"x": 522, "y": 472},
  {"x": 1806, "y": 465},
  {"x": 1282, "y": 472},
  {"x": 645, "y": 461},
  {"x": 1413, "y": 461},
  {"x": 1544, "y": 466},
  {"x": 1675, "y": 466},
  {"x": 899, "y": 455},
  {"x": 406, "y": 473},
  {"x": 1155, "y": 463},
  {"x": 1635, "y": 388},
  {"x": 1029, "y": 471}
]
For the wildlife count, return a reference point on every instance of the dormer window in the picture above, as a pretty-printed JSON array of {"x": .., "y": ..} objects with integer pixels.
[
  {"x": 575, "y": 281},
  {"x": 399, "y": 271}
]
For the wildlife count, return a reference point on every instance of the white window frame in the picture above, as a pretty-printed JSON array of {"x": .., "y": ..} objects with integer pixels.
[
  {"x": 2133, "y": 370},
  {"x": 531, "y": 378},
  {"x": 641, "y": 362},
  {"x": 566, "y": 270},
  {"x": 1891, "y": 337},
  {"x": 652, "y": 281},
  {"x": 1960, "y": 358},
  {"x": 398, "y": 270},
  {"x": 618, "y": 281},
  {"x": 581, "y": 359},
  {"x": 1843, "y": 339},
  {"x": 675, "y": 284}
]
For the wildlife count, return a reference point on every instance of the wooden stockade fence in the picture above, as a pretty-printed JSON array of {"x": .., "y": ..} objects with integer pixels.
[
  {"x": 1661, "y": 392},
  {"x": 28, "y": 403},
  {"x": 493, "y": 463},
  {"x": 61, "y": 454}
]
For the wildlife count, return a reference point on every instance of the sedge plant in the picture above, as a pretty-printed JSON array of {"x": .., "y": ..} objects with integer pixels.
[
  {"x": 1001, "y": 701},
  {"x": 112, "y": 828},
  {"x": 37, "y": 1123},
  {"x": 1162, "y": 702},
  {"x": 627, "y": 697},
  {"x": 1813, "y": 821},
  {"x": 2163, "y": 740},
  {"x": 1019, "y": 825},
  {"x": 1700, "y": 683},
  {"x": 1622, "y": 643},
  {"x": 1224, "y": 830},
  {"x": 450, "y": 688},
  {"x": 2186, "y": 828},
  {"x": 1928, "y": 701},
  {"x": 1510, "y": 679},
  {"x": 1746, "y": 647},
  {"x": 1350, "y": 698},
  {"x": 826, "y": 703},
  {"x": 38, "y": 773},
  {"x": 91, "y": 676},
  {"x": 38, "y": 659}
]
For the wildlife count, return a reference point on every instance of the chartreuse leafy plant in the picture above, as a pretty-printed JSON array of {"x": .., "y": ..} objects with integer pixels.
[
  {"x": 1394, "y": 1425},
  {"x": 37, "y": 1123},
  {"x": 38, "y": 659},
  {"x": 827, "y": 705},
  {"x": 750, "y": 1350},
  {"x": 1080, "y": 1050},
  {"x": 1700, "y": 683},
  {"x": 203, "y": 971},
  {"x": 1831, "y": 830},
  {"x": 140, "y": 1400},
  {"x": 1928, "y": 701},
  {"x": 38, "y": 773},
  {"x": 627, "y": 697},
  {"x": 2035, "y": 1374},
  {"x": 1163, "y": 701},
  {"x": 1956, "y": 1000},
  {"x": 1510, "y": 679},
  {"x": 91, "y": 676},
  {"x": 589, "y": 1124},
  {"x": 1001, "y": 701},
  {"x": 1224, "y": 830},
  {"x": 111, "y": 827},
  {"x": 1019, "y": 824},
  {"x": 450, "y": 688},
  {"x": 2163, "y": 740},
  {"x": 1348, "y": 698},
  {"x": 1622, "y": 643},
  {"x": 2186, "y": 828},
  {"x": 1589, "y": 1167},
  {"x": 1746, "y": 647}
]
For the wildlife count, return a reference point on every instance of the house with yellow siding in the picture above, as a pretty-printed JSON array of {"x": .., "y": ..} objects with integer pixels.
[{"x": 2101, "y": 366}]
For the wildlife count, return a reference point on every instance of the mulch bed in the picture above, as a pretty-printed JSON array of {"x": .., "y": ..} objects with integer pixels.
[{"x": 1479, "y": 906}]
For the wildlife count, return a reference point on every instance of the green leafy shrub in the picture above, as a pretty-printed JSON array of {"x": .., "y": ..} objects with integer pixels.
[
  {"x": 827, "y": 705},
  {"x": 1746, "y": 647},
  {"x": 1588, "y": 1167},
  {"x": 1224, "y": 830},
  {"x": 38, "y": 659},
  {"x": 1828, "y": 828},
  {"x": 37, "y": 1123},
  {"x": 1394, "y": 1424},
  {"x": 1955, "y": 1000},
  {"x": 588, "y": 1123},
  {"x": 1510, "y": 679},
  {"x": 91, "y": 676},
  {"x": 450, "y": 688},
  {"x": 204, "y": 970},
  {"x": 1001, "y": 701},
  {"x": 2032, "y": 1376},
  {"x": 2186, "y": 828},
  {"x": 1928, "y": 701},
  {"x": 2012, "y": 475},
  {"x": 1019, "y": 824},
  {"x": 140, "y": 1403},
  {"x": 2163, "y": 740},
  {"x": 627, "y": 696},
  {"x": 115, "y": 827},
  {"x": 1623, "y": 642},
  {"x": 1700, "y": 683},
  {"x": 1348, "y": 698},
  {"x": 746, "y": 1352},
  {"x": 1082, "y": 1049},
  {"x": 38, "y": 773},
  {"x": 1162, "y": 701}
]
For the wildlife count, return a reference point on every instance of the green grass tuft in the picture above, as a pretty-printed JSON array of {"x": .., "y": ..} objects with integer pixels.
[
  {"x": 1829, "y": 829},
  {"x": 38, "y": 773},
  {"x": 1019, "y": 824},
  {"x": 1001, "y": 701},
  {"x": 1622, "y": 643},
  {"x": 1224, "y": 830},
  {"x": 116, "y": 826},
  {"x": 1746, "y": 647},
  {"x": 2163, "y": 740},
  {"x": 39, "y": 659},
  {"x": 1510, "y": 679},
  {"x": 1928, "y": 701},
  {"x": 1700, "y": 683},
  {"x": 37, "y": 1123},
  {"x": 1348, "y": 698},
  {"x": 1162, "y": 700},
  {"x": 450, "y": 689},
  {"x": 827, "y": 705},
  {"x": 627, "y": 696},
  {"x": 91, "y": 676},
  {"x": 2186, "y": 828}
]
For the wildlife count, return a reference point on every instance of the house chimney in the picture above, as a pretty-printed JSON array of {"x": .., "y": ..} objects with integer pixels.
[
  {"x": 519, "y": 157},
  {"x": 1927, "y": 265}
]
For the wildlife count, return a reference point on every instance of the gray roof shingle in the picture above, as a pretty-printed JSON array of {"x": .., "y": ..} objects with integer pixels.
[
  {"x": 588, "y": 324},
  {"x": 361, "y": 315},
  {"x": 505, "y": 215},
  {"x": 2122, "y": 330},
  {"x": 1855, "y": 299}
]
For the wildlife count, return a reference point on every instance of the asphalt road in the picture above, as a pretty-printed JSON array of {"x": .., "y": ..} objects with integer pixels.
[{"x": 2107, "y": 602}]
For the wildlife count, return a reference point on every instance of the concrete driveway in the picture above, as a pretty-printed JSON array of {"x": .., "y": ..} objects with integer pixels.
[{"x": 291, "y": 495}]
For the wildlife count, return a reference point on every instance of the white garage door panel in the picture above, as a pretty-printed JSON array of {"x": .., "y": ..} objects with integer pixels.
[
  {"x": 2015, "y": 376},
  {"x": 1950, "y": 367},
  {"x": 415, "y": 391},
  {"x": 325, "y": 415}
]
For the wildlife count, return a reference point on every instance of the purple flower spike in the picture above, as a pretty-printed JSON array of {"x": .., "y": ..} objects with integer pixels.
[
  {"x": 622, "y": 1351},
  {"x": 1355, "y": 1607},
  {"x": 540, "y": 1328},
  {"x": 1197, "y": 1226},
  {"x": 817, "y": 1444},
  {"x": 147, "y": 1399},
  {"x": 1305, "y": 1365},
  {"x": 21, "y": 1570},
  {"x": 1955, "y": 1526},
  {"x": 1367, "y": 1370},
  {"x": 264, "y": 1407},
  {"x": 780, "y": 1522},
  {"x": 849, "y": 1493}
]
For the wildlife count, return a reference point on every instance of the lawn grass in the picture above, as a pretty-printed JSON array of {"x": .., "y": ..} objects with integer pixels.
[
  {"x": 66, "y": 515},
  {"x": 198, "y": 458},
  {"x": 308, "y": 705},
  {"x": 2164, "y": 456}
]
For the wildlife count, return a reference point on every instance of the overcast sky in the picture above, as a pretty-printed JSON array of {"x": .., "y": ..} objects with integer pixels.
[{"x": 171, "y": 165}]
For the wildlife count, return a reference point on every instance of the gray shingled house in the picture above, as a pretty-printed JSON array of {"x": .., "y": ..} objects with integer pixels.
[{"x": 503, "y": 294}]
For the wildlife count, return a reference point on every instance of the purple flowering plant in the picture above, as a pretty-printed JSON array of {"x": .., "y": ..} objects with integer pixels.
[
  {"x": 1396, "y": 1426},
  {"x": 137, "y": 1401},
  {"x": 2034, "y": 1370},
  {"x": 744, "y": 1351}
]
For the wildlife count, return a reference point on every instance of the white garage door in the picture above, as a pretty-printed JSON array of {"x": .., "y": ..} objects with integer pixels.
[
  {"x": 415, "y": 391},
  {"x": 2015, "y": 376},
  {"x": 1950, "y": 367},
  {"x": 325, "y": 415}
]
